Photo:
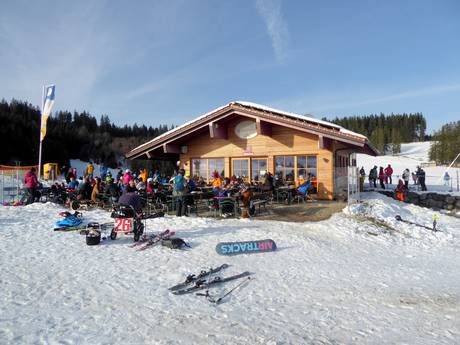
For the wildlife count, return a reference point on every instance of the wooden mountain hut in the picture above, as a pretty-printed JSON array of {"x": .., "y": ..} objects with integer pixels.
[{"x": 247, "y": 140}]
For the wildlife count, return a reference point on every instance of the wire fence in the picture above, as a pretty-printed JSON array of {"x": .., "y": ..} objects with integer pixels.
[{"x": 12, "y": 183}]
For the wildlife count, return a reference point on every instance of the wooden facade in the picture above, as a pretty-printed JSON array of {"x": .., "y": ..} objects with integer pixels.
[{"x": 213, "y": 138}]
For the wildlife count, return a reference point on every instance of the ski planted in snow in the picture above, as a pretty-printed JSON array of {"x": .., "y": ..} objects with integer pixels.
[
  {"x": 191, "y": 278},
  {"x": 203, "y": 284},
  {"x": 157, "y": 239}
]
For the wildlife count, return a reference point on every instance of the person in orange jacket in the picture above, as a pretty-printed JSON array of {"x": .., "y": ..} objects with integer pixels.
[{"x": 217, "y": 181}]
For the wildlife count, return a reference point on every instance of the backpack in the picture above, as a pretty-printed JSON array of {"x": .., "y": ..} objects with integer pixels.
[
  {"x": 174, "y": 243},
  {"x": 179, "y": 183}
]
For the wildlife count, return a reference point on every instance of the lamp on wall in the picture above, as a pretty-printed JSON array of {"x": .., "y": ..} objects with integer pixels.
[{"x": 184, "y": 149}]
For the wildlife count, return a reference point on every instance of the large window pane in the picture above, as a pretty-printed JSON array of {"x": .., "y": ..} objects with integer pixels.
[
  {"x": 285, "y": 168},
  {"x": 289, "y": 174},
  {"x": 311, "y": 165},
  {"x": 205, "y": 167},
  {"x": 216, "y": 165},
  {"x": 240, "y": 168},
  {"x": 199, "y": 168},
  {"x": 258, "y": 168},
  {"x": 301, "y": 162}
]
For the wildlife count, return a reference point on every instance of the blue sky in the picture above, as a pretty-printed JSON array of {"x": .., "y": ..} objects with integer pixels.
[{"x": 166, "y": 62}]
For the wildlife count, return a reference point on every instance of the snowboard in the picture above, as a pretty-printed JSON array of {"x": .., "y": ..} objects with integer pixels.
[{"x": 247, "y": 247}]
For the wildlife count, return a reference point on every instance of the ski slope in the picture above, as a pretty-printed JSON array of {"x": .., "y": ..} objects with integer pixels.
[{"x": 360, "y": 277}]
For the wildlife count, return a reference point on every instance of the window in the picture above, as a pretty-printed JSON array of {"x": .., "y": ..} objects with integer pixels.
[
  {"x": 240, "y": 168},
  {"x": 199, "y": 168},
  {"x": 205, "y": 167},
  {"x": 311, "y": 165},
  {"x": 258, "y": 168},
  {"x": 306, "y": 165},
  {"x": 216, "y": 165},
  {"x": 285, "y": 168}
]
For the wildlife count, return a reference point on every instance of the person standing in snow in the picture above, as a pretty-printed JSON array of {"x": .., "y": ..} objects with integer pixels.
[
  {"x": 89, "y": 170},
  {"x": 31, "y": 184},
  {"x": 446, "y": 179},
  {"x": 421, "y": 178},
  {"x": 388, "y": 172},
  {"x": 362, "y": 176},
  {"x": 382, "y": 178},
  {"x": 179, "y": 184},
  {"x": 373, "y": 176},
  {"x": 405, "y": 177}
]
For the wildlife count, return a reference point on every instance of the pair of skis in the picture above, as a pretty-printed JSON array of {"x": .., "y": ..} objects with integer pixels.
[
  {"x": 194, "y": 283},
  {"x": 147, "y": 242},
  {"x": 398, "y": 218}
]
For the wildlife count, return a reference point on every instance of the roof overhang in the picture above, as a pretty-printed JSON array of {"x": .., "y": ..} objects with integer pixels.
[{"x": 320, "y": 128}]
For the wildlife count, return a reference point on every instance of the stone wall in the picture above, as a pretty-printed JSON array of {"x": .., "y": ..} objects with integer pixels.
[{"x": 431, "y": 200}]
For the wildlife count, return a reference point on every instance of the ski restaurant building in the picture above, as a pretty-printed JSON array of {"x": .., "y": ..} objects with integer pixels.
[{"x": 247, "y": 140}]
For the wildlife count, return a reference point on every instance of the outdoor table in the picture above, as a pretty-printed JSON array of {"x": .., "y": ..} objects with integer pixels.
[
  {"x": 284, "y": 193},
  {"x": 233, "y": 199}
]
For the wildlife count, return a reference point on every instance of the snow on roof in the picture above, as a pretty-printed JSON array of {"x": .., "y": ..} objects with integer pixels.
[
  {"x": 300, "y": 117},
  {"x": 261, "y": 107}
]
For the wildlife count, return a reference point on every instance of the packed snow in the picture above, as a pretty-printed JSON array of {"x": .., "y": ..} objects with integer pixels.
[{"x": 360, "y": 277}]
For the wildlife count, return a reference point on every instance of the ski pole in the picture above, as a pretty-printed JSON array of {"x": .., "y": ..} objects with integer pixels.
[{"x": 230, "y": 291}]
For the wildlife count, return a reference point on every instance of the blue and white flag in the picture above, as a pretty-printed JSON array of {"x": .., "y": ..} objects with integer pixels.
[{"x": 48, "y": 103}]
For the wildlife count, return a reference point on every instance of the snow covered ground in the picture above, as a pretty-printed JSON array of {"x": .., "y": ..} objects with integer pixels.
[
  {"x": 412, "y": 155},
  {"x": 360, "y": 277}
]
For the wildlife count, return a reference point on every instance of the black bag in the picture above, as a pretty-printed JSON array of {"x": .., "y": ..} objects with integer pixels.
[
  {"x": 174, "y": 243},
  {"x": 93, "y": 238}
]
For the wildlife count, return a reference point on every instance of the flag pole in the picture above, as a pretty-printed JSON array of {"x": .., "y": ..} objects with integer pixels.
[{"x": 40, "y": 136}]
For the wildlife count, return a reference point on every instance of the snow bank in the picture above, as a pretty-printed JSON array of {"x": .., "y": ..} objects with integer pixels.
[{"x": 359, "y": 277}]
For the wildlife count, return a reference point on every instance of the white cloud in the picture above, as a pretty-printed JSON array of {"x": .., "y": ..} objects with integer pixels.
[
  {"x": 428, "y": 91},
  {"x": 270, "y": 11},
  {"x": 355, "y": 99}
]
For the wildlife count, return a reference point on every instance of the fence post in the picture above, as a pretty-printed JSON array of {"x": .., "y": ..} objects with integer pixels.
[
  {"x": 3, "y": 187},
  {"x": 457, "y": 182},
  {"x": 17, "y": 184}
]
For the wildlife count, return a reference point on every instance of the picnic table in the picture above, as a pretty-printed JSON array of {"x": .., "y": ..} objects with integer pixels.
[{"x": 285, "y": 193}]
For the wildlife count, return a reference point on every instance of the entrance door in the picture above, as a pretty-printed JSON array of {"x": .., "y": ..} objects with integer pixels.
[{"x": 240, "y": 168}]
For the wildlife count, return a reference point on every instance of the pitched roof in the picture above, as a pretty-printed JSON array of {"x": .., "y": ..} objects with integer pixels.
[{"x": 266, "y": 113}]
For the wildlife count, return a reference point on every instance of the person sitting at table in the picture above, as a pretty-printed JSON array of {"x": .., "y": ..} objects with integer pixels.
[
  {"x": 191, "y": 185},
  {"x": 268, "y": 183},
  {"x": 246, "y": 197},
  {"x": 217, "y": 180},
  {"x": 303, "y": 188},
  {"x": 300, "y": 181}
]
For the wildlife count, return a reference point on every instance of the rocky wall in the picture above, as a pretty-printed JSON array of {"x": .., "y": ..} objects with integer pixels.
[{"x": 431, "y": 200}]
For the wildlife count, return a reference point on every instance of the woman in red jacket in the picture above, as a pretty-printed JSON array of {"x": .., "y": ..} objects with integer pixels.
[{"x": 31, "y": 184}]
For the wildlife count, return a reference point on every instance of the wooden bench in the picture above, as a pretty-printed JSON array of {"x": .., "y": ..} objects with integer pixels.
[{"x": 259, "y": 202}]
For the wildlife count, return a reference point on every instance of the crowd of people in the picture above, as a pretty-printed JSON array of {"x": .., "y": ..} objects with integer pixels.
[
  {"x": 385, "y": 178},
  {"x": 135, "y": 188}
]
